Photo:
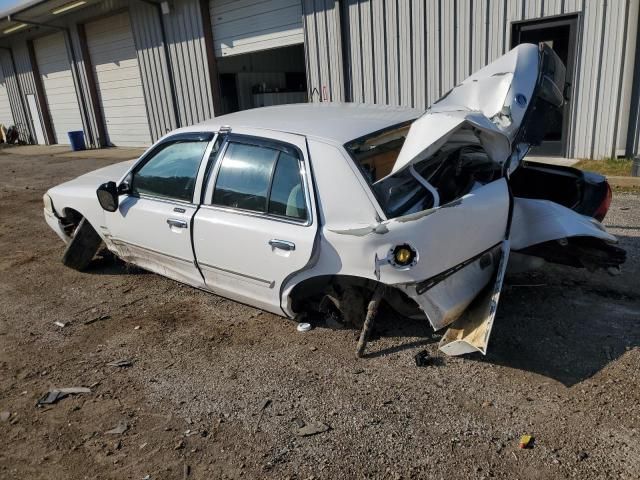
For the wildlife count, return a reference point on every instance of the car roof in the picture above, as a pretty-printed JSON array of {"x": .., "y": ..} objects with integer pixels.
[{"x": 335, "y": 122}]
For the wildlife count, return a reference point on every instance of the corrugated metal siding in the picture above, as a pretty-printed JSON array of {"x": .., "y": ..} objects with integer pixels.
[
  {"x": 147, "y": 33},
  {"x": 242, "y": 26},
  {"x": 189, "y": 62},
  {"x": 633, "y": 139},
  {"x": 411, "y": 52},
  {"x": 24, "y": 76},
  {"x": 322, "y": 39},
  {"x": 20, "y": 117},
  {"x": 627, "y": 81},
  {"x": 6, "y": 116}
]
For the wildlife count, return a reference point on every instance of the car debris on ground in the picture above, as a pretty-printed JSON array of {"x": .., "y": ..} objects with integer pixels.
[
  {"x": 303, "y": 327},
  {"x": 119, "y": 429},
  {"x": 97, "y": 319},
  {"x": 53, "y": 396},
  {"x": 120, "y": 363},
  {"x": 526, "y": 441},
  {"x": 312, "y": 428}
]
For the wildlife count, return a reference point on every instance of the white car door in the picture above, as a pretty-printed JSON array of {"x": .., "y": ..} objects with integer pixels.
[
  {"x": 152, "y": 226},
  {"x": 257, "y": 224}
]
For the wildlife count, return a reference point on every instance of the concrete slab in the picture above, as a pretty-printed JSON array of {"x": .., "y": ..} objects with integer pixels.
[
  {"x": 36, "y": 149},
  {"x": 625, "y": 182},
  {"x": 564, "y": 162},
  {"x": 116, "y": 153}
]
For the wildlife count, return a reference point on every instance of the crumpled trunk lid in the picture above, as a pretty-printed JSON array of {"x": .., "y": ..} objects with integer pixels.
[{"x": 504, "y": 103}]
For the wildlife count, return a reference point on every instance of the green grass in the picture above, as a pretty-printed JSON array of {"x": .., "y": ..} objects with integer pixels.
[{"x": 608, "y": 166}]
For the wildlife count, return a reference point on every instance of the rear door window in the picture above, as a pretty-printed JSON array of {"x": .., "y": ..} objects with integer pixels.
[
  {"x": 261, "y": 179},
  {"x": 287, "y": 195},
  {"x": 244, "y": 177}
]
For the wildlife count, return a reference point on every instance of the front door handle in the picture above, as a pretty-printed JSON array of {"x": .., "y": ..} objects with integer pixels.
[
  {"x": 282, "y": 244},
  {"x": 177, "y": 223}
]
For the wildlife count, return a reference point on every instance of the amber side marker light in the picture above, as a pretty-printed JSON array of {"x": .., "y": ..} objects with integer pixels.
[{"x": 404, "y": 256}]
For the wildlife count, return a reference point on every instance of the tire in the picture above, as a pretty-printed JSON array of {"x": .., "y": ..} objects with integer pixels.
[{"x": 82, "y": 248}]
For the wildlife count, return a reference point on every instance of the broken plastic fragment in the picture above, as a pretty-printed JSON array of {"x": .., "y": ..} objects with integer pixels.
[
  {"x": 52, "y": 396},
  {"x": 526, "y": 441}
]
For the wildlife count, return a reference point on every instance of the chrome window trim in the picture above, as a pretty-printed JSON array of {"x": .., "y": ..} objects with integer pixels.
[
  {"x": 169, "y": 200},
  {"x": 269, "y": 283},
  {"x": 251, "y": 213},
  {"x": 268, "y": 143}
]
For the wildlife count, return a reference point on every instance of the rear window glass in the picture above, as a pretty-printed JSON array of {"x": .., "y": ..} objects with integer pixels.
[{"x": 458, "y": 167}]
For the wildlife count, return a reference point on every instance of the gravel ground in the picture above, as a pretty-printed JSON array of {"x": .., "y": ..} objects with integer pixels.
[{"x": 217, "y": 389}]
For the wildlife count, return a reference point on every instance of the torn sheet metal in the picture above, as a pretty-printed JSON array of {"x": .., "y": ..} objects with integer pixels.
[
  {"x": 434, "y": 129},
  {"x": 470, "y": 333},
  {"x": 493, "y": 101},
  {"x": 538, "y": 221},
  {"x": 445, "y": 301}
]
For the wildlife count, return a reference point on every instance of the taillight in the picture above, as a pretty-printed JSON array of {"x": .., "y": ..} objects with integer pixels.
[{"x": 604, "y": 205}]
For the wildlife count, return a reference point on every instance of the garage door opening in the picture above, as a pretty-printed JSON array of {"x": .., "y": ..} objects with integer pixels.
[{"x": 262, "y": 79}]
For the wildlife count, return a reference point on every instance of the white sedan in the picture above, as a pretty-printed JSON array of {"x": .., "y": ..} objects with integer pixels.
[{"x": 318, "y": 207}]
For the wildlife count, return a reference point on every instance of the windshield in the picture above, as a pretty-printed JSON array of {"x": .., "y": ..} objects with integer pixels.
[{"x": 458, "y": 167}]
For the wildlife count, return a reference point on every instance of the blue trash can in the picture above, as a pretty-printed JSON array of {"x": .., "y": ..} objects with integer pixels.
[{"x": 77, "y": 140}]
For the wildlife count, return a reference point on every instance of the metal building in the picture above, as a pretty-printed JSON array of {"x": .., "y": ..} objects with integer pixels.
[{"x": 126, "y": 72}]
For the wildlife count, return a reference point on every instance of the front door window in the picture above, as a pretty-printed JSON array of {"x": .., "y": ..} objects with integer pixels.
[{"x": 171, "y": 172}]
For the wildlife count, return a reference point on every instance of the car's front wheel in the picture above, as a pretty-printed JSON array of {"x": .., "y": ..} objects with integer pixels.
[{"x": 83, "y": 246}]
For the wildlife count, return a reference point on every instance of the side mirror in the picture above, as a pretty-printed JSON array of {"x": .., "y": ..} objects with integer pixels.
[{"x": 108, "y": 196}]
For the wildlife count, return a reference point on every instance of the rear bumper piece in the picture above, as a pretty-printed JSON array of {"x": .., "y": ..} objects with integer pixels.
[
  {"x": 470, "y": 332},
  {"x": 466, "y": 299}
]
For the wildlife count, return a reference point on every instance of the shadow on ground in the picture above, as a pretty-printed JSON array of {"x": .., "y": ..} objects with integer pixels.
[{"x": 562, "y": 323}]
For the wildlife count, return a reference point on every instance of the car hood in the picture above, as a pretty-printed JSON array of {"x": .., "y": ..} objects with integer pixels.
[
  {"x": 97, "y": 177},
  {"x": 504, "y": 103}
]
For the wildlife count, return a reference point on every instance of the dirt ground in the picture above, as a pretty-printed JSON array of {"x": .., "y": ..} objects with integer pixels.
[{"x": 217, "y": 389}]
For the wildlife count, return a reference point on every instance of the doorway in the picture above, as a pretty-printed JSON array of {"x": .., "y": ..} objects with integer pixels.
[
  {"x": 559, "y": 33},
  {"x": 262, "y": 78}
]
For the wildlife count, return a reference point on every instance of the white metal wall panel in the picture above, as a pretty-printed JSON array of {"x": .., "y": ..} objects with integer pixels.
[
  {"x": 115, "y": 64},
  {"x": 6, "y": 116},
  {"x": 418, "y": 50},
  {"x": 242, "y": 26},
  {"x": 59, "y": 89},
  {"x": 626, "y": 132},
  {"x": 433, "y": 52}
]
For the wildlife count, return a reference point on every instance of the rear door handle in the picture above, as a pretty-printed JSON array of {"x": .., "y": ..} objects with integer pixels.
[
  {"x": 282, "y": 244},
  {"x": 177, "y": 223}
]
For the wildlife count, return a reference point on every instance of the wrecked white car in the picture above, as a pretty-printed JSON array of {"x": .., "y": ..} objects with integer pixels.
[{"x": 320, "y": 207}]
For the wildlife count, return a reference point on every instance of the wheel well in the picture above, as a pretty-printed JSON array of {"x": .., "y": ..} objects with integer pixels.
[
  {"x": 72, "y": 216},
  {"x": 307, "y": 295},
  {"x": 71, "y": 219}
]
